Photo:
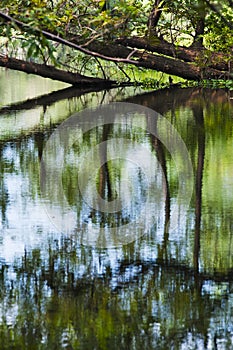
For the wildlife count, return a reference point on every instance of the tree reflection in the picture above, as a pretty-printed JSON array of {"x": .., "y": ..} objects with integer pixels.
[
  {"x": 4, "y": 196},
  {"x": 152, "y": 305},
  {"x": 105, "y": 186},
  {"x": 199, "y": 118},
  {"x": 143, "y": 295},
  {"x": 160, "y": 153}
]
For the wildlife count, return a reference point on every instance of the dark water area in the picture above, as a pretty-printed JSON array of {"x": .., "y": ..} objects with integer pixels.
[{"x": 169, "y": 287}]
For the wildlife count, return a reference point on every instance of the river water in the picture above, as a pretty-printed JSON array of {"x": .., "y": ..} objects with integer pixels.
[{"x": 153, "y": 272}]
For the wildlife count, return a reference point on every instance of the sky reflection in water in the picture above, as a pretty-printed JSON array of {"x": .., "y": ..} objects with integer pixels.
[{"x": 163, "y": 290}]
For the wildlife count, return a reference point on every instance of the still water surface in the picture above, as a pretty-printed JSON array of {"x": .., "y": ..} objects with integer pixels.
[{"x": 165, "y": 290}]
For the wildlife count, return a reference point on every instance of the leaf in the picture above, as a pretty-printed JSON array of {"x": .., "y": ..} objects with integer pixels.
[{"x": 32, "y": 48}]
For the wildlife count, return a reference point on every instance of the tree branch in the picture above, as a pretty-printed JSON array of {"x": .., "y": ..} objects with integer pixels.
[
  {"x": 119, "y": 53},
  {"x": 60, "y": 40},
  {"x": 154, "y": 16}
]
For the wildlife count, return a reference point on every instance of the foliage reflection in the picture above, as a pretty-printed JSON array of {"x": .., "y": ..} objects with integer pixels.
[{"x": 161, "y": 291}]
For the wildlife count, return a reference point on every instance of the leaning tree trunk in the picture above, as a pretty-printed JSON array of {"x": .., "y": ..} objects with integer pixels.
[
  {"x": 168, "y": 65},
  {"x": 51, "y": 72},
  {"x": 113, "y": 53},
  {"x": 186, "y": 54}
]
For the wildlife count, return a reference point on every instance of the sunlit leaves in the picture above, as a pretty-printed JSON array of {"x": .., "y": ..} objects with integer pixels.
[{"x": 96, "y": 21}]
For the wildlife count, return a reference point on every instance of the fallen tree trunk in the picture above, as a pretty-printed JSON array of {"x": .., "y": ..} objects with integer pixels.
[
  {"x": 119, "y": 53},
  {"x": 168, "y": 65},
  {"x": 187, "y": 54},
  {"x": 51, "y": 72}
]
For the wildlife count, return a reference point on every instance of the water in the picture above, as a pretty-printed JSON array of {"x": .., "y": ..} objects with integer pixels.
[{"x": 168, "y": 289}]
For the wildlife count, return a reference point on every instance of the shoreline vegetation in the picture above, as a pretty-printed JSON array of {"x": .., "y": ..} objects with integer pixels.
[{"x": 109, "y": 42}]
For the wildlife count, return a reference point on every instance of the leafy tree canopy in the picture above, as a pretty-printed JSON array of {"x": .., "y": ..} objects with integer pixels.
[{"x": 194, "y": 37}]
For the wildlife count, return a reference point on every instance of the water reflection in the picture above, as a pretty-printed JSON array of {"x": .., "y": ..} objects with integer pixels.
[
  {"x": 109, "y": 149},
  {"x": 163, "y": 290}
]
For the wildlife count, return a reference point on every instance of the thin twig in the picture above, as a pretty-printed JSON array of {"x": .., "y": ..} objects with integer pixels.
[
  {"x": 122, "y": 70},
  {"x": 131, "y": 54},
  {"x": 100, "y": 65}
]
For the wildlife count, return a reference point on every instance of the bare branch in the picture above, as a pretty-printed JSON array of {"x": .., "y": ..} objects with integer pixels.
[
  {"x": 123, "y": 71},
  {"x": 101, "y": 68},
  {"x": 131, "y": 54}
]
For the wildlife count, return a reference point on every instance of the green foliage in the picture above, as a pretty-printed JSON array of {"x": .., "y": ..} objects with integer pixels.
[
  {"x": 37, "y": 15},
  {"x": 216, "y": 84},
  {"x": 105, "y": 21},
  {"x": 84, "y": 19},
  {"x": 219, "y": 37}
]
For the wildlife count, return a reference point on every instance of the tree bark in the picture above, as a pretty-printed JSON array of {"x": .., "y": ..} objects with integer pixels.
[
  {"x": 213, "y": 60},
  {"x": 199, "y": 32},
  {"x": 154, "y": 17},
  {"x": 168, "y": 65}
]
